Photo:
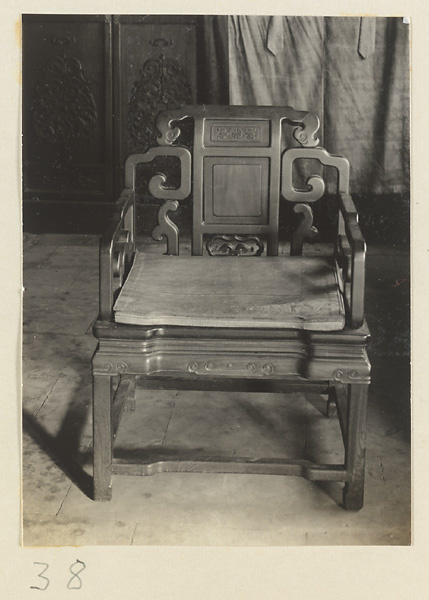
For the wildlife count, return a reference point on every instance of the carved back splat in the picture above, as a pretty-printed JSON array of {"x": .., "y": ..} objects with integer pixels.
[{"x": 240, "y": 169}]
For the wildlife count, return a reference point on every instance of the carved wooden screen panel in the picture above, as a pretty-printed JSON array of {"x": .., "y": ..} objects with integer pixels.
[
  {"x": 154, "y": 69},
  {"x": 67, "y": 110}
]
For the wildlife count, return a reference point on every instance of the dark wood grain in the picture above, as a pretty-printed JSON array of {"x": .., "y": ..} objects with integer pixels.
[
  {"x": 355, "y": 447},
  {"x": 236, "y": 464},
  {"x": 299, "y": 293},
  {"x": 67, "y": 152},
  {"x": 151, "y": 43},
  {"x": 102, "y": 435}
]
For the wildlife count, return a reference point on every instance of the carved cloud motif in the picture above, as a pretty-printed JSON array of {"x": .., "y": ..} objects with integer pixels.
[
  {"x": 162, "y": 85},
  {"x": 63, "y": 108}
]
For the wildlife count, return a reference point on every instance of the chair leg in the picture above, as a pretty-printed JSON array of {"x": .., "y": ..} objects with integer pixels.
[
  {"x": 331, "y": 407},
  {"x": 355, "y": 447},
  {"x": 102, "y": 436},
  {"x": 130, "y": 403}
]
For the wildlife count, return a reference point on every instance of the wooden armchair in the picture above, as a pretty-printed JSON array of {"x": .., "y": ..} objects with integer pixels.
[{"x": 232, "y": 310}]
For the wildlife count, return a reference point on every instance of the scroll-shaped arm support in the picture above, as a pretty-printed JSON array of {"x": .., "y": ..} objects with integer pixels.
[
  {"x": 167, "y": 228},
  {"x": 304, "y": 231},
  {"x": 157, "y": 183},
  {"x": 315, "y": 183},
  {"x": 350, "y": 226},
  {"x": 116, "y": 246},
  {"x": 158, "y": 189}
]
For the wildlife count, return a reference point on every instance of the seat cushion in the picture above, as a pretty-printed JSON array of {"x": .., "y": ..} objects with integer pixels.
[{"x": 270, "y": 292}]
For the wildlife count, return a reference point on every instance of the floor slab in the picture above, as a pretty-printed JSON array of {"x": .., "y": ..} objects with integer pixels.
[
  {"x": 40, "y": 530},
  {"x": 53, "y": 354},
  {"x": 45, "y": 485}
]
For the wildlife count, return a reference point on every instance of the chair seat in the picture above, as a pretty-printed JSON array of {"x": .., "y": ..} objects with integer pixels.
[{"x": 272, "y": 292}]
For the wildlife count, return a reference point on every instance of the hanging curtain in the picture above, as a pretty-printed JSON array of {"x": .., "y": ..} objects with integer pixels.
[
  {"x": 352, "y": 72},
  {"x": 276, "y": 60},
  {"x": 367, "y": 103},
  {"x": 213, "y": 81}
]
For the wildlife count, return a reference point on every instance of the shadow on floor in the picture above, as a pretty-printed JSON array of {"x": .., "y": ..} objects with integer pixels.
[
  {"x": 389, "y": 393},
  {"x": 64, "y": 449}
]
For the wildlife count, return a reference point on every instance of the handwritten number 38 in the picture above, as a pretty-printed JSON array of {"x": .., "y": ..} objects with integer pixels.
[{"x": 75, "y": 582}]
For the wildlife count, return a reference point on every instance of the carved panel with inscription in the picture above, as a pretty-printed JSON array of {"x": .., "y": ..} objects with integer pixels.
[{"x": 237, "y": 133}]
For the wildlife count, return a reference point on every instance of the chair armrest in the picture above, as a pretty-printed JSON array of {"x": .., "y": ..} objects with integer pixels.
[
  {"x": 116, "y": 248},
  {"x": 352, "y": 248}
]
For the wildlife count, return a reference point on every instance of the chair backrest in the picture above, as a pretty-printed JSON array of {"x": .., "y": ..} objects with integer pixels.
[{"x": 240, "y": 166}]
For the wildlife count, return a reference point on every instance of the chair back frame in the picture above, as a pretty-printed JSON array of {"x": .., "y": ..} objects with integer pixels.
[{"x": 241, "y": 167}]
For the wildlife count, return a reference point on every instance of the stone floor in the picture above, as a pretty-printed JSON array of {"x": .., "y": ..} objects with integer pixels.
[{"x": 60, "y": 303}]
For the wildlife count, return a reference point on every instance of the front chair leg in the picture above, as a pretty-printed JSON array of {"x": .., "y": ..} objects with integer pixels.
[
  {"x": 102, "y": 436},
  {"x": 355, "y": 447}
]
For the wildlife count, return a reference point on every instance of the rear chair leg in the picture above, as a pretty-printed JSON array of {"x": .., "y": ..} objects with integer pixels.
[
  {"x": 331, "y": 407},
  {"x": 355, "y": 447},
  {"x": 130, "y": 403},
  {"x": 102, "y": 436}
]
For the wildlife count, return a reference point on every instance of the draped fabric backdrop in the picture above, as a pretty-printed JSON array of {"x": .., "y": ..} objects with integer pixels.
[{"x": 352, "y": 72}]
